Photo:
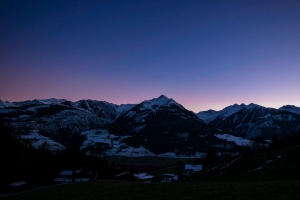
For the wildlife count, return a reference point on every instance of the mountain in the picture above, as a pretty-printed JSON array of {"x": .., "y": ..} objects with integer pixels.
[
  {"x": 156, "y": 126},
  {"x": 291, "y": 108},
  {"x": 251, "y": 121},
  {"x": 162, "y": 125},
  {"x": 159, "y": 126},
  {"x": 59, "y": 119},
  {"x": 208, "y": 116},
  {"x": 5, "y": 104}
]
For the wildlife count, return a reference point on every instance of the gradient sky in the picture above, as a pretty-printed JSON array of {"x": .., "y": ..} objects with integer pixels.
[{"x": 203, "y": 54}]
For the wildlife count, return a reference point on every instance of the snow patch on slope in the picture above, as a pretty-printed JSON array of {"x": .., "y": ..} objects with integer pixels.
[
  {"x": 238, "y": 140},
  {"x": 207, "y": 116},
  {"x": 38, "y": 140},
  {"x": 52, "y": 101},
  {"x": 129, "y": 151},
  {"x": 283, "y": 117},
  {"x": 291, "y": 108},
  {"x": 210, "y": 115},
  {"x": 124, "y": 107},
  {"x": 118, "y": 148},
  {"x": 4, "y": 104}
]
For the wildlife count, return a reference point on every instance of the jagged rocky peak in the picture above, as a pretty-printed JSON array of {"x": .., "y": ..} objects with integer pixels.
[
  {"x": 4, "y": 104},
  {"x": 290, "y": 108},
  {"x": 210, "y": 115},
  {"x": 28, "y": 103},
  {"x": 209, "y": 111},
  {"x": 236, "y": 105},
  {"x": 252, "y": 105},
  {"x": 52, "y": 101},
  {"x": 163, "y": 97},
  {"x": 162, "y": 100},
  {"x": 227, "y": 111}
]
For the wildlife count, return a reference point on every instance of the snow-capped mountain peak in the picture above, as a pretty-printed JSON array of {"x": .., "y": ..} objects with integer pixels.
[
  {"x": 123, "y": 108},
  {"x": 160, "y": 100},
  {"x": 52, "y": 101},
  {"x": 210, "y": 115},
  {"x": 4, "y": 104},
  {"x": 28, "y": 103},
  {"x": 155, "y": 103},
  {"x": 34, "y": 102},
  {"x": 163, "y": 97},
  {"x": 251, "y": 106},
  {"x": 226, "y": 112},
  {"x": 291, "y": 108}
]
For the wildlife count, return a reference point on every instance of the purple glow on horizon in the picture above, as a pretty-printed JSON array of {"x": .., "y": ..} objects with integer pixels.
[{"x": 203, "y": 54}]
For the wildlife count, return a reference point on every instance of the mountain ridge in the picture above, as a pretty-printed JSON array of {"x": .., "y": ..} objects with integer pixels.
[{"x": 156, "y": 126}]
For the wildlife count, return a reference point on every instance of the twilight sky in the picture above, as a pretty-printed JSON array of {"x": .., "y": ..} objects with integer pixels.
[{"x": 203, "y": 54}]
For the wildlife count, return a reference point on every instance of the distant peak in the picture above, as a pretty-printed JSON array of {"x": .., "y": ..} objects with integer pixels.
[
  {"x": 162, "y": 100},
  {"x": 288, "y": 106},
  {"x": 291, "y": 108},
  {"x": 238, "y": 105},
  {"x": 252, "y": 104},
  {"x": 163, "y": 97},
  {"x": 211, "y": 110}
]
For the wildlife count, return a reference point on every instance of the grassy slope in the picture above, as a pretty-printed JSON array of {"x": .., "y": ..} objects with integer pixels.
[
  {"x": 279, "y": 165},
  {"x": 126, "y": 190},
  {"x": 146, "y": 161},
  {"x": 279, "y": 179}
]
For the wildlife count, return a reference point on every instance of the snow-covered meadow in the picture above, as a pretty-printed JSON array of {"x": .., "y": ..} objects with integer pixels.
[
  {"x": 38, "y": 140},
  {"x": 237, "y": 140}
]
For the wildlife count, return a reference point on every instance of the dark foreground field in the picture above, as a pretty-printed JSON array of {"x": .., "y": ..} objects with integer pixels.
[{"x": 194, "y": 190}]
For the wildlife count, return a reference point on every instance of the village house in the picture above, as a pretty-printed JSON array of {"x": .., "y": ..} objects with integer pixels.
[
  {"x": 16, "y": 187},
  {"x": 191, "y": 169},
  {"x": 140, "y": 177},
  {"x": 169, "y": 178},
  {"x": 144, "y": 177}
]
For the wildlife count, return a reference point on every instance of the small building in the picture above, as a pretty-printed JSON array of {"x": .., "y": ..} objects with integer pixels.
[
  {"x": 67, "y": 176},
  {"x": 144, "y": 177},
  {"x": 169, "y": 178},
  {"x": 141, "y": 177},
  {"x": 17, "y": 186},
  {"x": 191, "y": 169}
]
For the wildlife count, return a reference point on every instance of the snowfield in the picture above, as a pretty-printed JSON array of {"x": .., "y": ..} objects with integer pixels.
[
  {"x": 118, "y": 148},
  {"x": 238, "y": 140},
  {"x": 37, "y": 140}
]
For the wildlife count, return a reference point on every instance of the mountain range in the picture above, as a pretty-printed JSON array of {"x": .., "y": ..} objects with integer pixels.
[
  {"x": 155, "y": 127},
  {"x": 251, "y": 121}
]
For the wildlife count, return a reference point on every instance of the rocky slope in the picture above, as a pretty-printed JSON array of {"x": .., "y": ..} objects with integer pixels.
[{"x": 251, "y": 121}]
